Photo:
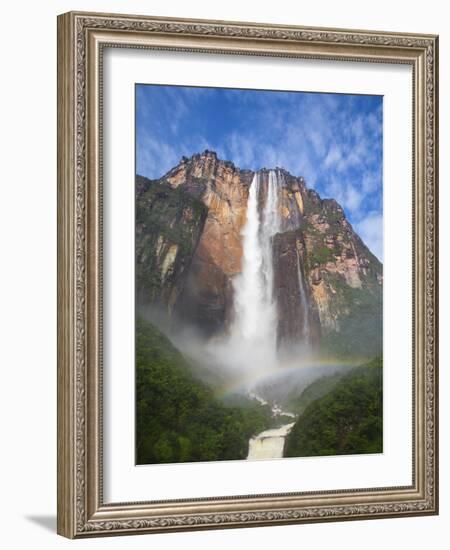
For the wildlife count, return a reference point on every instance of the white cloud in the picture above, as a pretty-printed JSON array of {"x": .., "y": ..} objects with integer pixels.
[
  {"x": 347, "y": 195},
  {"x": 319, "y": 142},
  {"x": 353, "y": 198},
  {"x": 357, "y": 128},
  {"x": 371, "y": 181},
  {"x": 242, "y": 150},
  {"x": 333, "y": 157},
  {"x": 370, "y": 229},
  {"x": 155, "y": 157}
]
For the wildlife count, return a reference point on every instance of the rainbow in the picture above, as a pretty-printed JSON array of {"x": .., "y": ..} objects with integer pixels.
[{"x": 241, "y": 384}]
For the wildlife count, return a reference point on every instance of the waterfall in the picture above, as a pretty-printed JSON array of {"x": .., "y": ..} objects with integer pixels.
[
  {"x": 303, "y": 301},
  {"x": 255, "y": 323},
  {"x": 252, "y": 340}
]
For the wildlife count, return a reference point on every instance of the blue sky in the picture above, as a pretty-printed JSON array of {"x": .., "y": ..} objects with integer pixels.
[{"x": 334, "y": 141}]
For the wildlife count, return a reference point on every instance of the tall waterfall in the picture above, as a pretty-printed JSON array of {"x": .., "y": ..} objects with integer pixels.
[
  {"x": 303, "y": 301},
  {"x": 255, "y": 322},
  {"x": 251, "y": 345}
]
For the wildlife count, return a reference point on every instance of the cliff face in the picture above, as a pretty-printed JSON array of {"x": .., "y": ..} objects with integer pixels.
[
  {"x": 344, "y": 277},
  {"x": 207, "y": 296},
  {"x": 327, "y": 284},
  {"x": 169, "y": 223}
]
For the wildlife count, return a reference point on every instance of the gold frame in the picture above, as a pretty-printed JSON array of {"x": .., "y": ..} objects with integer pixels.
[{"x": 81, "y": 38}]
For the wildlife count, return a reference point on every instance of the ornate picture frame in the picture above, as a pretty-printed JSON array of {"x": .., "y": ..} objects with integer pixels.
[{"x": 82, "y": 40}]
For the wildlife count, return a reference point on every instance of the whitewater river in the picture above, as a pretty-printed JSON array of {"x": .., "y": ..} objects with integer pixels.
[{"x": 269, "y": 444}]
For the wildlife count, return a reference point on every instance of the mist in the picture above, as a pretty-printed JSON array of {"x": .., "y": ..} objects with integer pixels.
[{"x": 246, "y": 356}]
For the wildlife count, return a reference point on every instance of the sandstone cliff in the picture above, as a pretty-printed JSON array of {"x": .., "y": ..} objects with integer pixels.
[{"x": 189, "y": 248}]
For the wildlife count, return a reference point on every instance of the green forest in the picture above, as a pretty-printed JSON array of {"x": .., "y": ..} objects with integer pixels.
[
  {"x": 178, "y": 418},
  {"x": 340, "y": 415}
]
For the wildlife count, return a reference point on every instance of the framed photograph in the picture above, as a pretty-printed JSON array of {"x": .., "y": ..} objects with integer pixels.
[{"x": 247, "y": 282}]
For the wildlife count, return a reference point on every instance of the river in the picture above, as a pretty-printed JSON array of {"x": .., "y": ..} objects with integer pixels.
[{"x": 269, "y": 443}]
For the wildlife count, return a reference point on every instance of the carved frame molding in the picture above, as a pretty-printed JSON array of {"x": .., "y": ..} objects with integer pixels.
[{"x": 81, "y": 39}]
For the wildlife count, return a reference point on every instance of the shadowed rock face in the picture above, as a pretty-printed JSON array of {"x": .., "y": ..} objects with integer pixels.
[
  {"x": 189, "y": 248},
  {"x": 298, "y": 318},
  {"x": 169, "y": 224}
]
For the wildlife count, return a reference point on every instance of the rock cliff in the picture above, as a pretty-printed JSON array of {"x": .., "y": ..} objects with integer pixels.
[{"x": 327, "y": 283}]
